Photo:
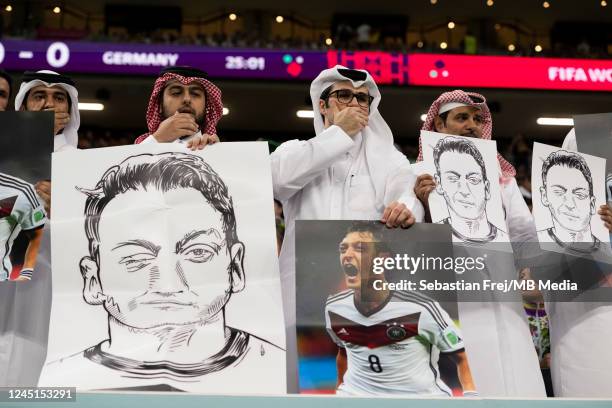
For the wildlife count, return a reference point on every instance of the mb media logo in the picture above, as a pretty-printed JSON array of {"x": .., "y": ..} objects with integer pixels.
[{"x": 294, "y": 65}]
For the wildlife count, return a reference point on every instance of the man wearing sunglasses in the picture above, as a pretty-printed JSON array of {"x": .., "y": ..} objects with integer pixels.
[{"x": 349, "y": 170}]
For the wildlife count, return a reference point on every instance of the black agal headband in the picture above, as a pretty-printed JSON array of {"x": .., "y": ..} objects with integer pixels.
[{"x": 48, "y": 78}]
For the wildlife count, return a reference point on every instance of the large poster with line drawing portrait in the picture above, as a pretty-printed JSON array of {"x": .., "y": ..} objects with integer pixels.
[{"x": 165, "y": 271}]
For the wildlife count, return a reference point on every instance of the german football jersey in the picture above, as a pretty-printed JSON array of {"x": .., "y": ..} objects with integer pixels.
[
  {"x": 20, "y": 210},
  {"x": 394, "y": 350}
]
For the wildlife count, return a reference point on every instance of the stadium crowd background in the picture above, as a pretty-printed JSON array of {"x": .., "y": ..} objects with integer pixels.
[{"x": 540, "y": 29}]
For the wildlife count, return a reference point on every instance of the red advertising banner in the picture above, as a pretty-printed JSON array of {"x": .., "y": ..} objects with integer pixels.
[
  {"x": 510, "y": 72},
  {"x": 479, "y": 71}
]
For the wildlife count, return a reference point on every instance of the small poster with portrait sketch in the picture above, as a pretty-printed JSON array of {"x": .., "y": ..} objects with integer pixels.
[
  {"x": 165, "y": 273},
  {"x": 467, "y": 194},
  {"x": 568, "y": 187}
]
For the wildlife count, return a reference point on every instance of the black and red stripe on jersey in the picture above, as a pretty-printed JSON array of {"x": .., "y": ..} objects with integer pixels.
[{"x": 382, "y": 334}]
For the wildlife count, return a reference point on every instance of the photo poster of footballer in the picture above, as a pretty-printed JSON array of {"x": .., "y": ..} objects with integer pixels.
[
  {"x": 168, "y": 271},
  {"x": 26, "y": 144},
  {"x": 357, "y": 337}
]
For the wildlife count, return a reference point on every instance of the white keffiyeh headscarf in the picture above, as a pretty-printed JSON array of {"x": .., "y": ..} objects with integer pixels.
[
  {"x": 380, "y": 153},
  {"x": 69, "y": 137}
]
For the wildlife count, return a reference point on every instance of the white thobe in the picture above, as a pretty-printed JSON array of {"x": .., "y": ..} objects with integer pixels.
[
  {"x": 60, "y": 143},
  {"x": 327, "y": 178},
  {"x": 500, "y": 351},
  {"x": 580, "y": 334}
]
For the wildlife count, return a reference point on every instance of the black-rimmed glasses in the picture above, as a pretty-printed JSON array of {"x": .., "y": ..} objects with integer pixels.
[{"x": 345, "y": 96}]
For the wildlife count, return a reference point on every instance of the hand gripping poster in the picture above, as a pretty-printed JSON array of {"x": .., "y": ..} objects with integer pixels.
[{"x": 165, "y": 274}]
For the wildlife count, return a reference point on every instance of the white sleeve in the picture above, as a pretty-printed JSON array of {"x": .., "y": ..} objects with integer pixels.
[
  {"x": 400, "y": 187},
  {"x": 60, "y": 143},
  {"x": 296, "y": 163},
  {"x": 149, "y": 139},
  {"x": 65, "y": 147},
  {"x": 439, "y": 329},
  {"x": 30, "y": 211},
  {"x": 521, "y": 227}
]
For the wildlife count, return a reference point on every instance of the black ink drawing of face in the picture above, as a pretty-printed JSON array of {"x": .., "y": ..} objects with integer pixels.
[
  {"x": 464, "y": 187},
  {"x": 566, "y": 193},
  {"x": 165, "y": 262}
]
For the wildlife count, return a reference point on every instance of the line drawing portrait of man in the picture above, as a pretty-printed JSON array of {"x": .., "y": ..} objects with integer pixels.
[
  {"x": 461, "y": 178},
  {"x": 567, "y": 192},
  {"x": 164, "y": 262}
]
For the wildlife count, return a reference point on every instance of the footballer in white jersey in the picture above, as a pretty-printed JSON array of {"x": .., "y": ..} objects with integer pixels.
[
  {"x": 395, "y": 349},
  {"x": 389, "y": 342},
  {"x": 20, "y": 210}
]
